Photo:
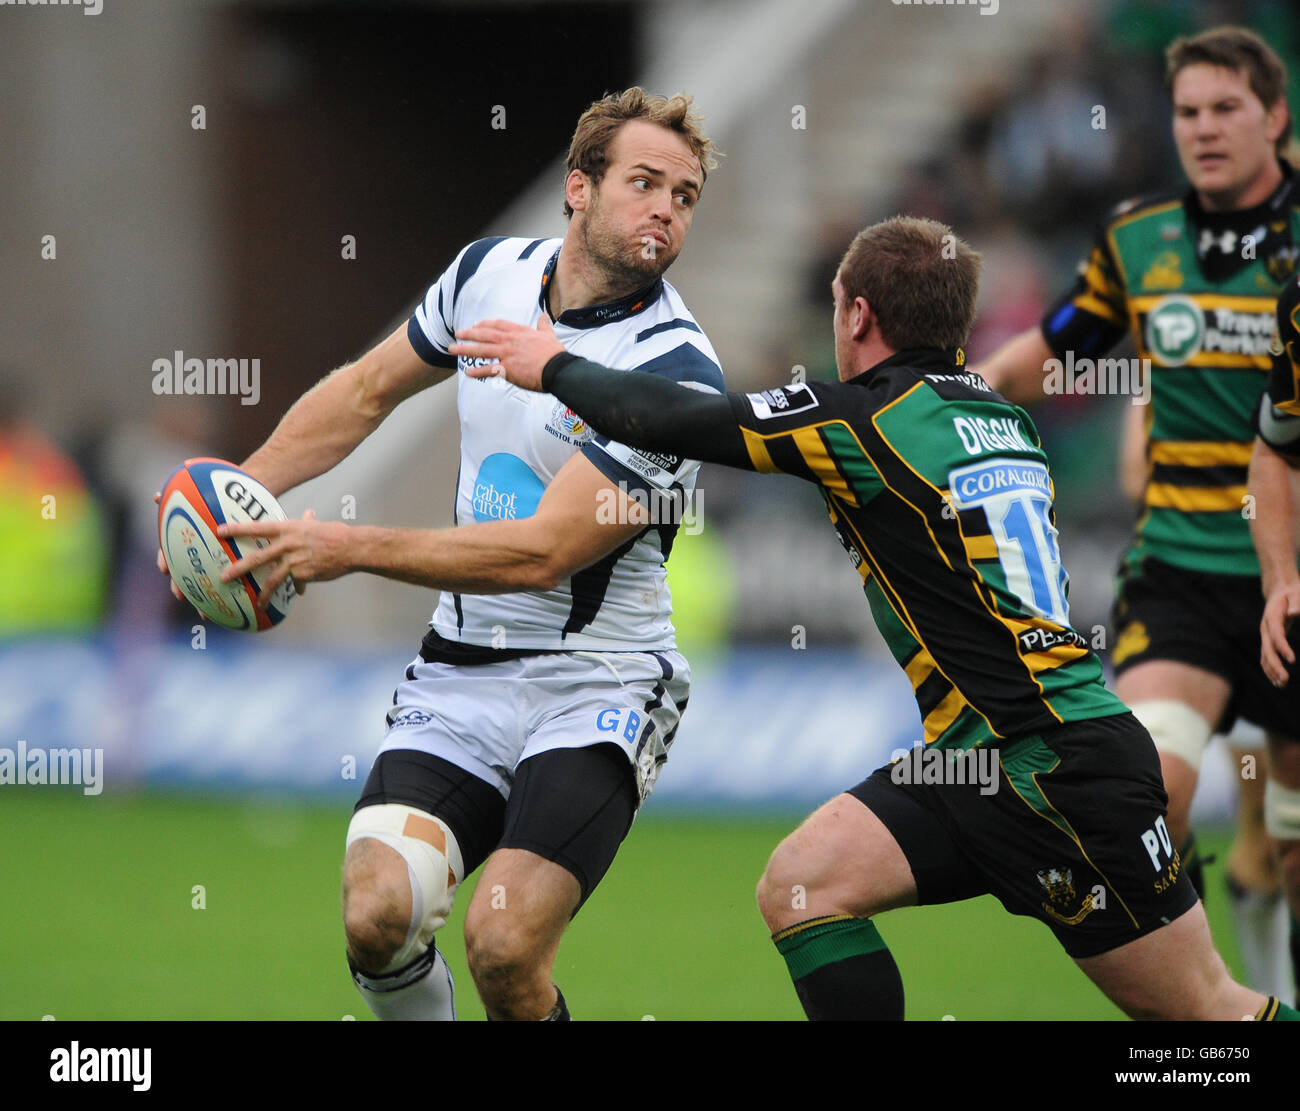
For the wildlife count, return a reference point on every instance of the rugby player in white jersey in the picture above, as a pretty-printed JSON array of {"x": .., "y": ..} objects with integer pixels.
[{"x": 546, "y": 694}]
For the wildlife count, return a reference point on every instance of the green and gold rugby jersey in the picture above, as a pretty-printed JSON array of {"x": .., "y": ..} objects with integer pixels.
[
  {"x": 1196, "y": 290},
  {"x": 940, "y": 492}
]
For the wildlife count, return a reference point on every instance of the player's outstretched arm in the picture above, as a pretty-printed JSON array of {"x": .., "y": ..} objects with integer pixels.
[
  {"x": 327, "y": 423},
  {"x": 576, "y": 523},
  {"x": 1015, "y": 369},
  {"x": 1272, "y": 529},
  {"x": 640, "y": 410}
]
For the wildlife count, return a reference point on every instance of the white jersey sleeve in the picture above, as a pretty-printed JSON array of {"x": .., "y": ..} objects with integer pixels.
[{"x": 430, "y": 329}]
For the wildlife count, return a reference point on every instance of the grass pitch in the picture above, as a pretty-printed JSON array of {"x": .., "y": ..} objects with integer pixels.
[{"x": 172, "y": 907}]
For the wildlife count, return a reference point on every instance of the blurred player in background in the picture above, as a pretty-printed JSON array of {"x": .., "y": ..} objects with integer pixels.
[
  {"x": 939, "y": 490},
  {"x": 1254, "y": 882},
  {"x": 546, "y": 694},
  {"x": 1194, "y": 278}
]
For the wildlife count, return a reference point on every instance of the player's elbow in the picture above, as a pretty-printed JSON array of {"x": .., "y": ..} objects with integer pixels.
[
  {"x": 539, "y": 568},
  {"x": 543, "y": 574},
  {"x": 369, "y": 400}
]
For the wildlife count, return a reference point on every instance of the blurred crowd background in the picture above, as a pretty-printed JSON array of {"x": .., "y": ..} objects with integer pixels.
[{"x": 186, "y": 178}]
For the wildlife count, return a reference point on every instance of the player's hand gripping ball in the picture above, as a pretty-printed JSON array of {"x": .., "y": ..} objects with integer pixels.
[{"x": 200, "y": 495}]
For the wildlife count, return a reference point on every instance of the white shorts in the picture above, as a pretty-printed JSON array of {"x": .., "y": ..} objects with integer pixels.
[{"x": 487, "y": 718}]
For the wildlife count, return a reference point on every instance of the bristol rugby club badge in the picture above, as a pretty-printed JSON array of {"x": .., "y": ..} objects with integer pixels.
[{"x": 568, "y": 426}]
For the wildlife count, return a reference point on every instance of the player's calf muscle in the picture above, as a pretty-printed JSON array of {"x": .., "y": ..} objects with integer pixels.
[
  {"x": 376, "y": 903},
  {"x": 511, "y": 941},
  {"x": 511, "y": 963}
]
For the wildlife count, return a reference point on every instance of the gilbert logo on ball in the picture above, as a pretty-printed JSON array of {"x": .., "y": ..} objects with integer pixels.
[{"x": 200, "y": 495}]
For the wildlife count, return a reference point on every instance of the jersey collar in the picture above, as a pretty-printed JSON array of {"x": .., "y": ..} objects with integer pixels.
[
  {"x": 1218, "y": 236},
  {"x": 927, "y": 360},
  {"x": 1270, "y": 207},
  {"x": 592, "y": 316}
]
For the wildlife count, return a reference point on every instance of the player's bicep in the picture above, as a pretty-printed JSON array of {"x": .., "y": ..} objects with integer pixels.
[{"x": 392, "y": 371}]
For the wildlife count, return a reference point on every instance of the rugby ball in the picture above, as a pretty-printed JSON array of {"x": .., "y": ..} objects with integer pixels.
[{"x": 200, "y": 495}]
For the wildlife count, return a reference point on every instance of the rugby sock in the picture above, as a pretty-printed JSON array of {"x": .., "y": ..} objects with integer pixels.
[
  {"x": 841, "y": 969},
  {"x": 1276, "y": 1011},
  {"x": 1260, "y": 919},
  {"x": 422, "y": 991}
]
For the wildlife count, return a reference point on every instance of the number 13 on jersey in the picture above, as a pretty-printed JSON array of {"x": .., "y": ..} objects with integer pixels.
[{"x": 1016, "y": 496}]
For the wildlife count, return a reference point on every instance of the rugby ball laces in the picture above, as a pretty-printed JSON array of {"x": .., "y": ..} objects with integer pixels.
[{"x": 200, "y": 495}]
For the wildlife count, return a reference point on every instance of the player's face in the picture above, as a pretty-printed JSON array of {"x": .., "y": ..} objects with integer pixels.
[
  {"x": 1224, "y": 135},
  {"x": 636, "y": 220}
]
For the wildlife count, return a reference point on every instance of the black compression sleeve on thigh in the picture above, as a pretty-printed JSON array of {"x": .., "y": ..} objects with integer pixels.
[
  {"x": 647, "y": 411},
  {"x": 572, "y": 806}
]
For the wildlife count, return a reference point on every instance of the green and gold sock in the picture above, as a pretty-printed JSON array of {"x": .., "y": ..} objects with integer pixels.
[{"x": 841, "y": 969}]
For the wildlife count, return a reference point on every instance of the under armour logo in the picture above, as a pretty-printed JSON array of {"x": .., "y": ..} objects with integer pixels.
[{"x": 1227, "y": 242}]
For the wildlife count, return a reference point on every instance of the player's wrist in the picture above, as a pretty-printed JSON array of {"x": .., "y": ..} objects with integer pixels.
[
  {"x": 1279, "y": 580},
  {"x": 554, "y": 365}
]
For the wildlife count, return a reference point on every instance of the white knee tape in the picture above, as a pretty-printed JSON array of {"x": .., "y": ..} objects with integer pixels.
[
  {"x": 1281, "y": 811},
  {"x": 1176, "y": 728},
  {"x": 433, "y": 864}
]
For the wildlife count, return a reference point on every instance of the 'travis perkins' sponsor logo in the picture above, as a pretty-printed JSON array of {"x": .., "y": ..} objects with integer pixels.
[
  {"x": 505, "y": 489},
  {"x": 1178, "y": 329}
]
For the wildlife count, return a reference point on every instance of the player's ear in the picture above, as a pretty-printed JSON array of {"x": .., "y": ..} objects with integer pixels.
[
  {"x": 1276, "y": 120},
  {"x": 577, "y": 190},
  {"x": 861, "y": 319}
]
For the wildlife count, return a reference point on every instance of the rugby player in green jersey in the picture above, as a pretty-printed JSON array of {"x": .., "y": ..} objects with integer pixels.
[
  {"x": 1193, "y": 277},
  {"x": 939, "y": 490}
]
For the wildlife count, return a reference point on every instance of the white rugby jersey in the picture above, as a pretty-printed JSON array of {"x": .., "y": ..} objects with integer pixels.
[{"x": 513, "y": 442}]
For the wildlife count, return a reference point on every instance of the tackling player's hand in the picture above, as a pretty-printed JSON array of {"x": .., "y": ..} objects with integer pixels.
[
  {"x": 308, "y": 549},
  {"x": 1282, "y": 607},
  {"x": 517, "y": 352}
]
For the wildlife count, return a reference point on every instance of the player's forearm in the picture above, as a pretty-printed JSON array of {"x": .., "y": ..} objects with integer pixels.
[
  {"x": 1133, "y": 453},
  {"x": 1272, "y": 528},
  {"x": 487, "y": 558},
  {"x": 648, "y": 412},
  {"x": 320, "y": 430},
  {"x": 1015, "y": 369}
]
